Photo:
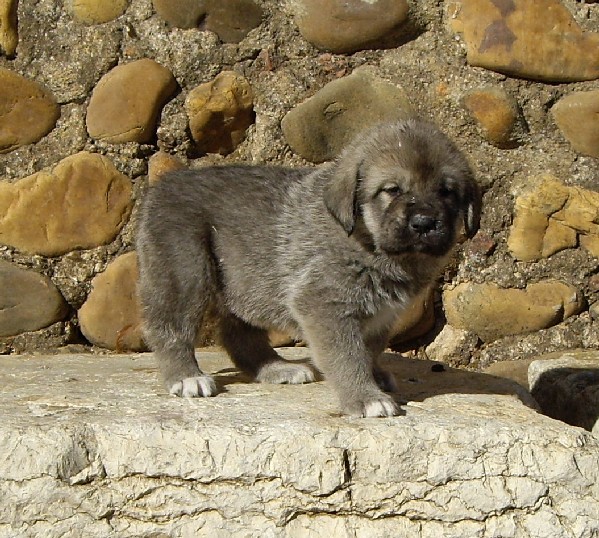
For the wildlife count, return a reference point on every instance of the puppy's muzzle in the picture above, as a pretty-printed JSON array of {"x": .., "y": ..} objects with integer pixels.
[{"x": 421, "y": 223}]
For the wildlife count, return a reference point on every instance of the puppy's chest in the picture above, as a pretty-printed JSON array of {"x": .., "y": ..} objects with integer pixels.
[{"x": 383, "y": 319}]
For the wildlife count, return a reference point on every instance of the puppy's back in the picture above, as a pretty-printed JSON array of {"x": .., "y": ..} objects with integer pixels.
[{"x": 221, "y": 193}]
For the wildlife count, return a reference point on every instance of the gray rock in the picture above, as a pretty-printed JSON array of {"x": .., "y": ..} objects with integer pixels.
[
  {"x": 28, "y": 301},
  {"x": 183, "y": 14},
  {"x": 566, "y": 386},
  {"x": 231, "y": 20},
  {"x": 125, "y": 459},
  {"x": 322, "y": 125},
  {"x": 357, "y": 24}
]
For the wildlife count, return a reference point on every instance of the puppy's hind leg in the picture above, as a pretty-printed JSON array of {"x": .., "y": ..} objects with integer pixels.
[
  {"x": 250, "y": 350},
  {"x": 174, "y": 301}
]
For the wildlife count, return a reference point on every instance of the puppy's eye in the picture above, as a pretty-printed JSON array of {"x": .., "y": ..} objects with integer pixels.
[
  {"x": 446, "y": 191},
  {"x": 392, "y": 190}
]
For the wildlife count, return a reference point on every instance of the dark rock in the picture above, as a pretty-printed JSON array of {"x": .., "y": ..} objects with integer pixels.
[{"x": 28, "y": 301}]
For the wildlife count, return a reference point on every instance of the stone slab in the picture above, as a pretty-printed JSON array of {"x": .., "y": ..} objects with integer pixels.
[{"x": 91, "y": 446}]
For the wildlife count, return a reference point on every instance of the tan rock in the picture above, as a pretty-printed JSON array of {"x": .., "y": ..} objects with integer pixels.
[
  {"x": 183, "y": 13},
  {"x": 160, "y": 163},
  {"x": 534, "y": 40},
  {"x": 28, "y": 301},
  {"x": 550, "y": 217},
  {"x": 590, "y": 243},
  {"x": 81, "y": 203},
  {"x": 497, "y": 114},
  {"x": 9, "y": 37},
  {"x": 94, "y": 12},
  {"x": 348, "y": 26},
  {"x": 27, "y": 111},
  {"x": 219, "y": 112},
  {"x": 577, "y": 116},
  {"x": 492, "y": 312},
  {"x": 126, "y": 102},
  {"x": 558, "y": 237},
  {"x": 321, "y": 126},
  {"x": 110, "y": 317}
]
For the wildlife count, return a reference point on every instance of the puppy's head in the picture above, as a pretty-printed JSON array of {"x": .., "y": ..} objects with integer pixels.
[{"x": 410, "y": 187}]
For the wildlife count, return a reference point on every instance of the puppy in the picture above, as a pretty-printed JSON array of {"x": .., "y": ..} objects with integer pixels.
[{"x": 332, "y": 255}]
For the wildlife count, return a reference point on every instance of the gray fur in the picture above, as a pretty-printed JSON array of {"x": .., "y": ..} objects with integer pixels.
[{"x": 331, "y": 255}]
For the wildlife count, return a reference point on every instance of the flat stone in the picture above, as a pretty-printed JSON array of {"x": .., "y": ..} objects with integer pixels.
[
  {"x": 9, "y": 36},
  {"x": 29, "y": 301},
  {"x": 566, "y": 386},
  {"x": 181, "y": 14},
  {"x": 91, "y": 196},
  {"x": 550, "y": 216},
  {"x": 349, "y": 26},
  {"x": 577, "y": 116},
  {"x": 126, "y": 102},
  {"x": 492, "y": 312},
  {"x": 99, "y": 434},
  {"x": 497, "y": 114},
  {"x": 110, "y": 318},
  {"x": 533, "y": 40},
  {"x": 28, "y": 112},
  {"x": 94, "y": 12},
  {"x": 320, "y": 127},
  {"x": 219, "y": 112}
]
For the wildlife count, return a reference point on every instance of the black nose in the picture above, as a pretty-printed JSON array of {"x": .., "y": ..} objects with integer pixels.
[{"x": 422, "y": 224}]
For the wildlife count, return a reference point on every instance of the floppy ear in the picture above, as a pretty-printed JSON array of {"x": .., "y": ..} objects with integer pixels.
[
  {"x": 471, "y": 207},
  {"x": 340, "y": 193}
]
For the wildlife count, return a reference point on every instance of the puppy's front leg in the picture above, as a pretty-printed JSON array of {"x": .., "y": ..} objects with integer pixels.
[{"x": 339, "y": 351}]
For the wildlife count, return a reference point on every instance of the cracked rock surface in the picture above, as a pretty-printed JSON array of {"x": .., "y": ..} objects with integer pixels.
[{"x": 91, "y": 446}]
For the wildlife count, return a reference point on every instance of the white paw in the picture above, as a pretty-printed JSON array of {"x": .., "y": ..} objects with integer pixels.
[
  {"x": 373, "y": 405},
  {"x": 380, "y": 408},
  {"x": 283, "y": 372},
  {"x": 194, "y": 387}
]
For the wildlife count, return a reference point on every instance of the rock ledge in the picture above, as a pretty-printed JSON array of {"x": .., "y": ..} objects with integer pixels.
[{"x": 91, "y": 446}]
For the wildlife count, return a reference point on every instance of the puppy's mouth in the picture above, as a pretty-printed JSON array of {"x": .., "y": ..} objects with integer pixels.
[{"x": 432, "y": 238}]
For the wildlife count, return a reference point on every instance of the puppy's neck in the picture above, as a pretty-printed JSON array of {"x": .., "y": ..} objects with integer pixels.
[{"x": 362, "y": 235}]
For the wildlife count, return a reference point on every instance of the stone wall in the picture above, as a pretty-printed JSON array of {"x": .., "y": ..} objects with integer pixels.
[{"x": 97, "y": 99}]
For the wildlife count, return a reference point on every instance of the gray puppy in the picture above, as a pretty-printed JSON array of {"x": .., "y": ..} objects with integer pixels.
[{"x": 332, "y": 255}]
